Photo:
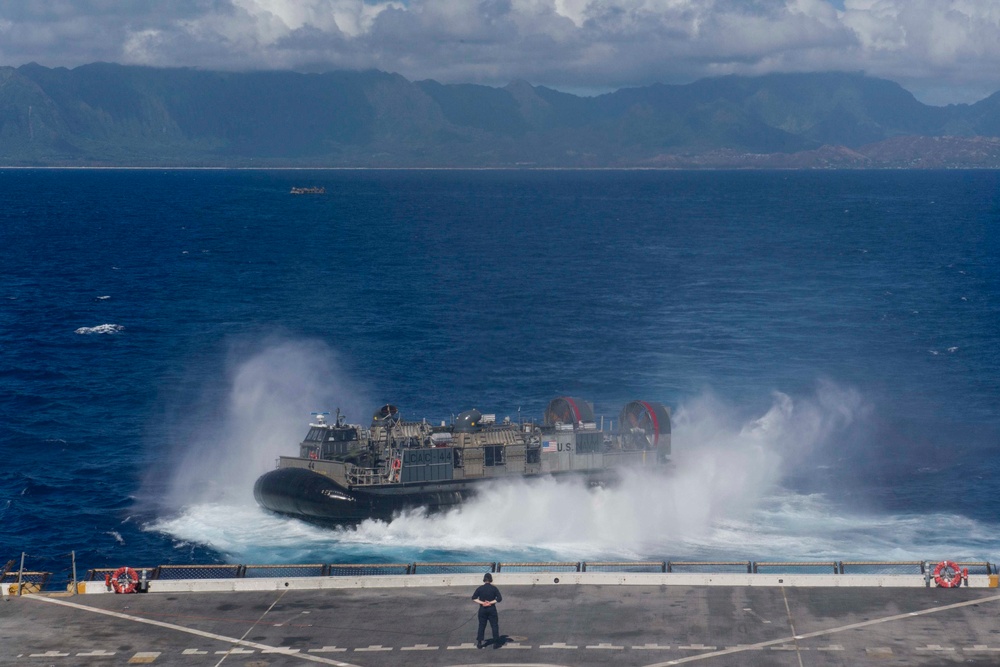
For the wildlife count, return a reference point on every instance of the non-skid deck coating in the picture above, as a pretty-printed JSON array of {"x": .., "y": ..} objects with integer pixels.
[{"x": 542, "y": 625}]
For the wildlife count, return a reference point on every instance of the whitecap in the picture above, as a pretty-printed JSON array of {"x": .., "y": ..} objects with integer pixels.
[
  {"x": 102, "y": 298},
  {"x": 118, "y": 536},
  {"x": 953, "y": 349},
  {"x": 101, "y": 329}
]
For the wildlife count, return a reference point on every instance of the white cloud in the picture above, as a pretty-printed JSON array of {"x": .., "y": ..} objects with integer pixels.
[{"x": 948, "y": 46}]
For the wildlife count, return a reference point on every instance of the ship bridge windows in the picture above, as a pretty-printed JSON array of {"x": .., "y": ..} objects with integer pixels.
[
  {"x": 345, "y": 435},
  {"x": 316, "y": 434}
]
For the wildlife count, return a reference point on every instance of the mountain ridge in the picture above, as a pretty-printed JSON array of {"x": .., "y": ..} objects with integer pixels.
[{"x": 105, "y": 114}]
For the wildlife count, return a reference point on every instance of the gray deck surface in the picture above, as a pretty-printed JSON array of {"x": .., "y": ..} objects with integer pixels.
[{"x": 543, "y": 625}]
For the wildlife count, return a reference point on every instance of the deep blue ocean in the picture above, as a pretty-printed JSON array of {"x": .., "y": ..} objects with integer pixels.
[{"x": 828, "y": 342}]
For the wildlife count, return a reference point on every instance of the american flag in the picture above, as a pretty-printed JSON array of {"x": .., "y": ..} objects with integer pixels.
[{"x": 550, "y": 446}]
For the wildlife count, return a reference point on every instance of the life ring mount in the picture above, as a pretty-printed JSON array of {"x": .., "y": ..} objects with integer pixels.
[{"x": 947, "y": 574}]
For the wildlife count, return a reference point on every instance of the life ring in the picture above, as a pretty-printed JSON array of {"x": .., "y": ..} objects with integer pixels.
[
  {"x": 124, "y": 580},
  {"x": 396, "y": 464},
  {"x": 946, "y": 579}
]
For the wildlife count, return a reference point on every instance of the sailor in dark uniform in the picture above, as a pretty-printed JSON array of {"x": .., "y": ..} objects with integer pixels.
[{"x": 487, "y": 596}]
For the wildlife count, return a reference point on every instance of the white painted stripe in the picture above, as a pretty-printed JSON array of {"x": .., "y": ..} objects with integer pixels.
[
  {"x": 180, "y": 628},
  {"x": 375, "y": 647},
  {"x": 843, "y": 628},
  {"x": 193, "y": 651},
  {"x": 462, "y": 646},
  {"x": 514, "y": 645},
  {"x": 559, "y": 645},
  {"x": 419, "y": 647},
  {"x": 649, "y": 647},
  {"x": 606, "y": 646},
  {"x": 49, "y": 654},
  {"x": 95, "y": 653},
  {"x": 327, "y": 649},
  {"x": 235, "y": 651},
  {"x": 696, "y": 647}
]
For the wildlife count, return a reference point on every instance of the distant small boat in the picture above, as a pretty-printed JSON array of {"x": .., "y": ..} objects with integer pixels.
[{"x": 308, "y": 191}]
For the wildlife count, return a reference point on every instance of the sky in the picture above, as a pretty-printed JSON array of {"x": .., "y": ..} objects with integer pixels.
[{"x": 943, "y": 51}]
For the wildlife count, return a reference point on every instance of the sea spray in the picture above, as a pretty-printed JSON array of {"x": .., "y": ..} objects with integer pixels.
[
  {"x": 723, "y": 498},
  {"x": 271, "y": 389}
]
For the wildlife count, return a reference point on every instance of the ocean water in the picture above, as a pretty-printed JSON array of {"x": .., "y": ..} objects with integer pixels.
[{"x": 829, "y": 344}]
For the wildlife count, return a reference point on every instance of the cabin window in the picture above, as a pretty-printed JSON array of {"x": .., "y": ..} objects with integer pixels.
[
  {"x": 316, "y": 434},
  {"x": 494, "y": 455}
]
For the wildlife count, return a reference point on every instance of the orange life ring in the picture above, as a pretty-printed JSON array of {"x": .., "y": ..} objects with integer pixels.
[
  {"x": 124, "y": 580},
  {"x": 943, "y": 578},
  {"x": 396, "y": 464}
]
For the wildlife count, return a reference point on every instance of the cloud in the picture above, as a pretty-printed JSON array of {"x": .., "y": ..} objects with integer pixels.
[{"x": 942, "y": 47}]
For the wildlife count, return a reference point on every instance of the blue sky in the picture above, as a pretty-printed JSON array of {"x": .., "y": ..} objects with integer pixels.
[{"x": 943, "y": 51}]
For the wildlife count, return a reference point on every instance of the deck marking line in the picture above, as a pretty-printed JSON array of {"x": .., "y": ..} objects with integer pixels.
[
  {"x": 49, "y": 654},
  {"x": 181, "y": 628},
  {"x": 144, "y": 657},
  {"x": 419, "y": 647},
  {"x": 791, "y": 625},
  {"x": 250, "y": 629},
  {"x": 821, "y": 633},
  {"x": 193, "y": 651},
  {"x": 95, "y": 653}
]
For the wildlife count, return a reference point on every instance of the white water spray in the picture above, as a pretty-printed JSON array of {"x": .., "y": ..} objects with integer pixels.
[
  {"x": 723, "y": 499},
  {"x": 271, "y": 392}
]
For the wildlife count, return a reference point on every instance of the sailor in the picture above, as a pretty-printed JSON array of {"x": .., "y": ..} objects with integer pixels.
[{"x": 487, "y": 596}]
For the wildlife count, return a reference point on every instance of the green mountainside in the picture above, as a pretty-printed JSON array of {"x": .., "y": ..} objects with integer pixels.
[{"x": 106, "y": 114}]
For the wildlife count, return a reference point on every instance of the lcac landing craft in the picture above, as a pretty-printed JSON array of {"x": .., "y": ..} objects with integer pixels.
[{"x": 346, "y": 472}]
